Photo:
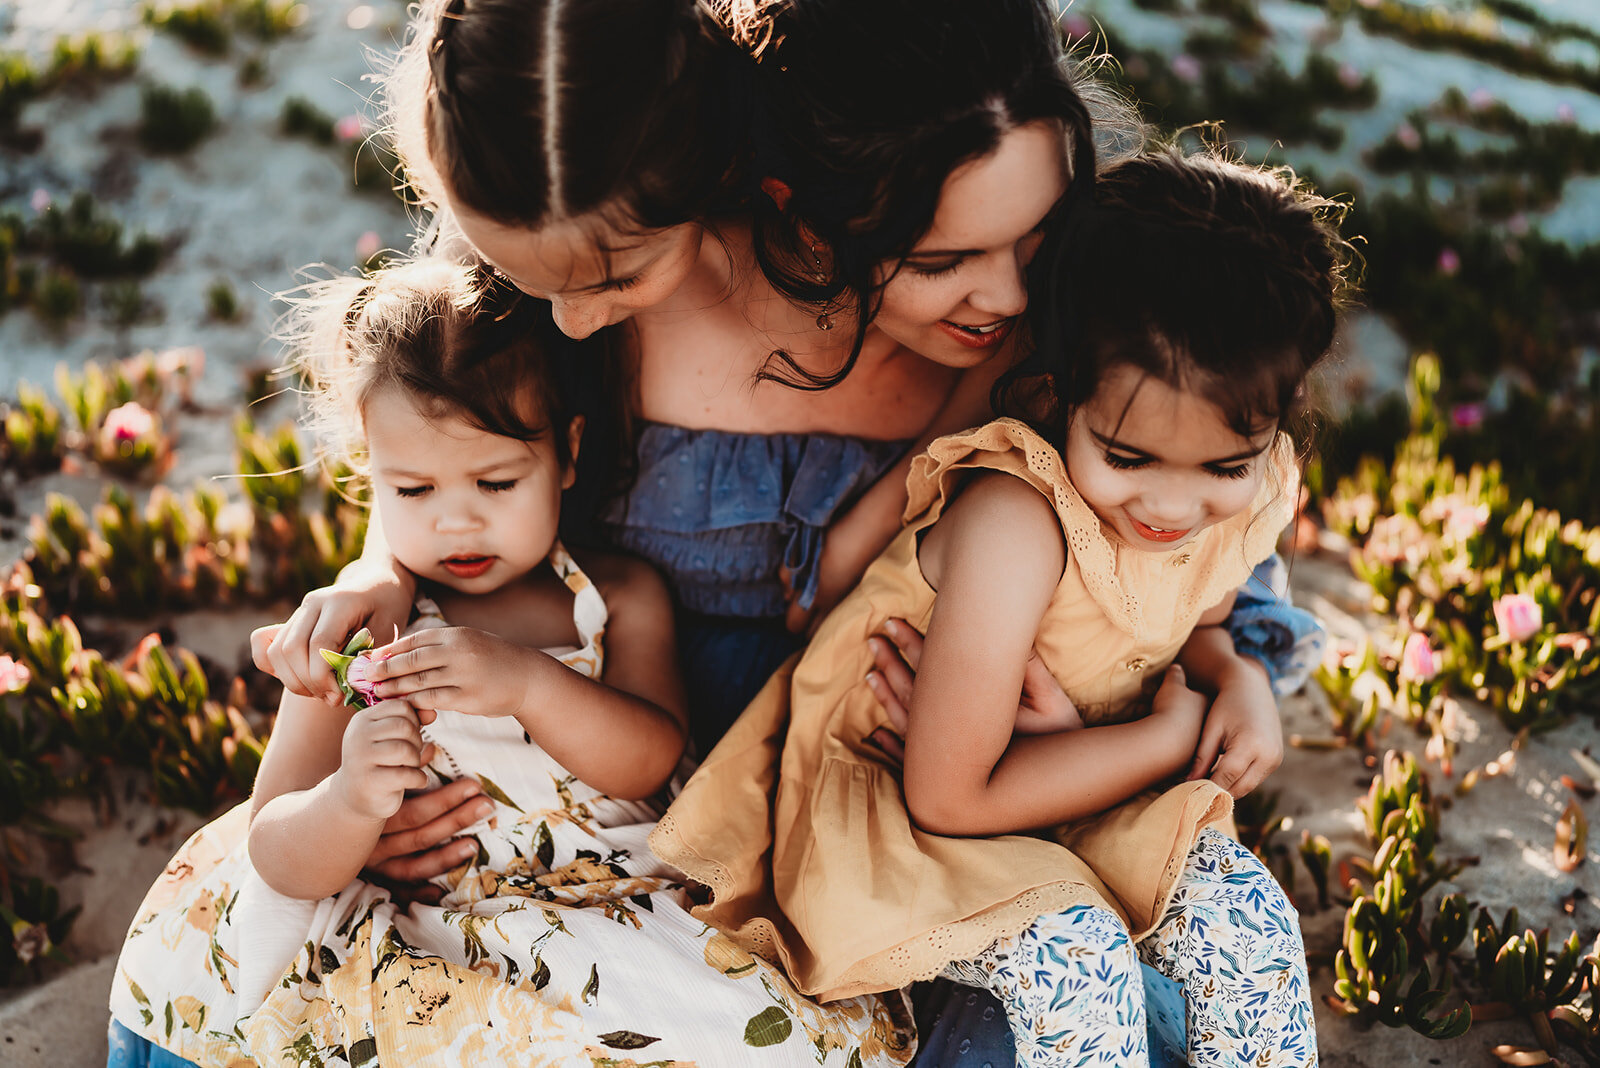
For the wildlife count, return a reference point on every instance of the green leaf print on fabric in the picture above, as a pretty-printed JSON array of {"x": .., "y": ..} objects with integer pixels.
[
  {"x": 627, "y": 1040},
  {"x": 305, "y": 1052},
  {"x": 855, "y": 1059},
  {"x": 768, "y": 1027},
  {"x": 591, "y": 989},
  {"x": 541, "y": 974},
  {"x": 328, "y": 959},
  {"x": 498, "y": 794}
]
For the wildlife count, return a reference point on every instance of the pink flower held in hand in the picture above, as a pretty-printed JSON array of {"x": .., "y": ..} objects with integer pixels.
[
  {"x": 1518, "y": 616},
  {"x": 14, "y": 674},
  {"x": 1419, "y": 661},
  {"x": 130, "y": 422},
  {"x": 357, "y": 675}
]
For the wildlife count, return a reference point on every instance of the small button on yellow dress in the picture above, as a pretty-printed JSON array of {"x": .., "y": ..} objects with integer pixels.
[{"x": 799, "y": 826}]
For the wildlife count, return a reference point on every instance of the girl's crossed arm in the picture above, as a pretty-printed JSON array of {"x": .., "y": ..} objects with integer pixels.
[
  {"x": 623, "y": 736},
  {"x": 996, "y": 558}
]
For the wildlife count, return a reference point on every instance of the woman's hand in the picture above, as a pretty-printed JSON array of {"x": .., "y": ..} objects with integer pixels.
[
  {"x": 381, "y": 758},
  {"x": 1044, "y": 707},
  {"x": 459, "y": 668},
  {"x": 366, "y": 595},
  {"x": 1242, "y": 742},
  {"x": 419, "y": 842}
]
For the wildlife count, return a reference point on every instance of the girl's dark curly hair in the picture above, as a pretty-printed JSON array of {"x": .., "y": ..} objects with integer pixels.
[{"x": 1201, "y": 271}]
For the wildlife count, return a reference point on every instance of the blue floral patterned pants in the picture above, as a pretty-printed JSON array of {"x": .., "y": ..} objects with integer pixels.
[{"x": 1072, "y": 992}]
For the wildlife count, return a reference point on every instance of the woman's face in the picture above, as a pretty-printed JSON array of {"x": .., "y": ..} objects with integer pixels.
[
  {"x": 959, "y": 293},
  {"x": 593, "y": 274}
]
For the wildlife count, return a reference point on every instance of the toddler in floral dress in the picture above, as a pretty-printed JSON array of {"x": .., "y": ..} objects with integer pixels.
[{"x": 547, "y": 678}]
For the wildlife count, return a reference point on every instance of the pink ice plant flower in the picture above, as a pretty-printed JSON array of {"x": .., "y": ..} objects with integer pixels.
[
  {"x": 130, "y": 422},
  {"x": 1467, "y": 416},
  {"x": 39, "y": 201},
  {"x": 358, "y": 675},
  {"x": 367, "y": 245},
  {"x": 1187, "y": 67},
  {"x": 1518, "y": 616},
  {"x": 1076, "y": 26},
  {"x": 1449, "y": 261},
  {"x": 1419, "y": 660},
  {"x": 14, "y": 674}
]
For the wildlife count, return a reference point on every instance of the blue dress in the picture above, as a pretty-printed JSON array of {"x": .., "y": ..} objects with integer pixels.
[{"x": 719, "y": 514}]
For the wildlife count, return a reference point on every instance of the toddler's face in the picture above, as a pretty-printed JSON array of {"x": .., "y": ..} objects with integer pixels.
[
  {"x": 1158, "y": 465},
  {"x": 958, "y": 295},
  {"x": 593, "y": 274},
  {"x": 460, "y": 506}
]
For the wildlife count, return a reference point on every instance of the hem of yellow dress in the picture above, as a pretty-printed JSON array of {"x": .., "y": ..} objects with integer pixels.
[{"x": 925, "y": 956}]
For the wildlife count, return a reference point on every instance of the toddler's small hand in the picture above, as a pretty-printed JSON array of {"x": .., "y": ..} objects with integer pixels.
[
  {"x": 459, "y": 668},
  {"x": 381, "y": 758}
]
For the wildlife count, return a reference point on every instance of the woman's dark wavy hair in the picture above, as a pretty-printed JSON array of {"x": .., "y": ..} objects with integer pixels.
[
  {"x": 862, "y": 109},
  {"x": 530, "y": 111},
  {"x": 1203, "y": 272}
]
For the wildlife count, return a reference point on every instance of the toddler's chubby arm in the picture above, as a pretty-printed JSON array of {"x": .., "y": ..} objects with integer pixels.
[
  {"x": 330, "y": 778},
  {"x": 1242, "y": 742},
  {"x": 996, "y": 558},
  {"x": 623, "y": 735},
  {"x": 373, "y": 592}
]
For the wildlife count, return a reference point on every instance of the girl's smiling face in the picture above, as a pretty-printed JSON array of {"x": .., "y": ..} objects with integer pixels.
[
  {"x": 460, "y": 506},
  {"x": 960, "y": 291},
  {"x": 1157, "y": 464},
  {"x": 593, "y": 274}
]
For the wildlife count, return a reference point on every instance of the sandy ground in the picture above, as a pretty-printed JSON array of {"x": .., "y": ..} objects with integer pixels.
[{"x": 253, "y": 207}]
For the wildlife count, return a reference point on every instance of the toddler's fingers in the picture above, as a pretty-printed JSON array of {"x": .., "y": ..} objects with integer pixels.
[
  {"x": 395, "y": 753},
  {"x": 410, "y": 655},
  {"x": 260, "y": 642}
]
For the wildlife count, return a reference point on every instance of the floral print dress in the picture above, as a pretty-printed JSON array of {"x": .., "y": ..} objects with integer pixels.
[{"x": 565, "y": 941}]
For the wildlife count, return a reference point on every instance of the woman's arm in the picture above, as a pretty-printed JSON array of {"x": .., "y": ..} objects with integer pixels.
[
  {"x": 857, "y": 538},
  {"x": 996, "y": 558},
  {"x": 329, "y": 779},
  {"x": 373, "y": 591},
  {"x": 623, "y": 735}
]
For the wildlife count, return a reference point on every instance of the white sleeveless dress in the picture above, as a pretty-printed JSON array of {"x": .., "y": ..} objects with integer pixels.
[{"x": 565, "y": 941}]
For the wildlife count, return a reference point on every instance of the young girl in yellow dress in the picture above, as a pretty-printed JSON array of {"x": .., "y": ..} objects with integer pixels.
[
  {"x": 1180, "y": 316},
  {"x": 564, "y": 941}
]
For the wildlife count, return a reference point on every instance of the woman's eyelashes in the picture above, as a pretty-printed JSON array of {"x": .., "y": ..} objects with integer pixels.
[
  {"x": 935, "y": 270},
  {"x": 1133, "y": 463}
]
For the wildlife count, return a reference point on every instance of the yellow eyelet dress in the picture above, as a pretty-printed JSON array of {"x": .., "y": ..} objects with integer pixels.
[
  {"x": 799, "y": 826},
  {"x": 564, "y": 942}
]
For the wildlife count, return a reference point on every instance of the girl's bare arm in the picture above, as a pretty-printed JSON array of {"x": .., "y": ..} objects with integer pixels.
[{"x": 996, "y": 558}]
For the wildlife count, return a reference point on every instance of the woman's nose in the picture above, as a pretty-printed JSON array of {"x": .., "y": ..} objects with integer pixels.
[
  {"x": 580, "y": 317},
  {"x": 1001, "y": 290}
]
